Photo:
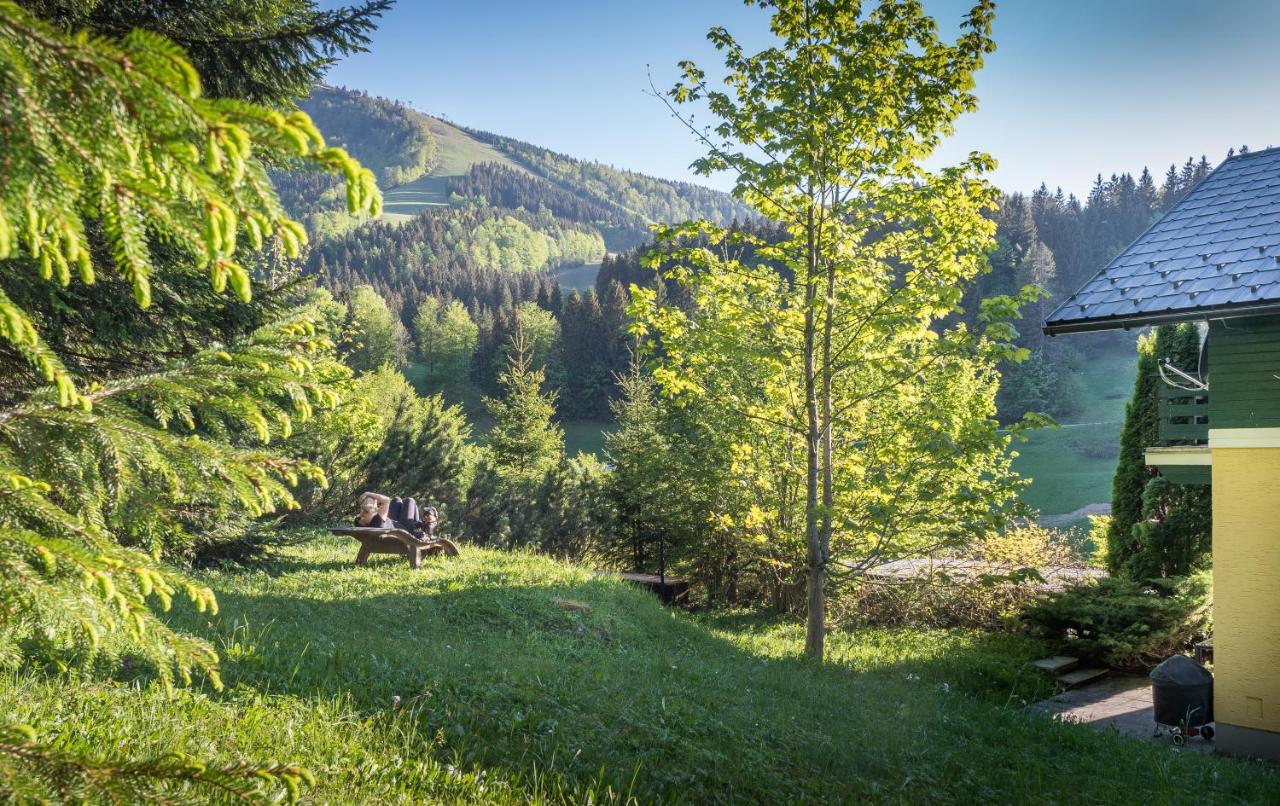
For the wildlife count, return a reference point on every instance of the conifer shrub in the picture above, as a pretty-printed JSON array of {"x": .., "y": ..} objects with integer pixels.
[
  {"x": 1123, "y": 623},
  {"x": 1162, "y": 530}
]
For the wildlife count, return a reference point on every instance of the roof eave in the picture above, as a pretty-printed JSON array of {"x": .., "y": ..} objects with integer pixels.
[{"x": 1162, "y": 318}]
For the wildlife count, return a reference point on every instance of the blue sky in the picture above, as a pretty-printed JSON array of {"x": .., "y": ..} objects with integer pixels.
[{"x": 1076, "y": 87}]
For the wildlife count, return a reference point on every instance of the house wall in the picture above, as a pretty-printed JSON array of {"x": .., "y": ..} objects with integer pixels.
[
  {"x": 1246, "y": 598},
  {"x": 1244, "y": 360},
  {"x": 1244, "y": 437}
]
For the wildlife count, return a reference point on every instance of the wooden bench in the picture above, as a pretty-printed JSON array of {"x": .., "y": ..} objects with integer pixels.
[{"x": 395, "y": 541}]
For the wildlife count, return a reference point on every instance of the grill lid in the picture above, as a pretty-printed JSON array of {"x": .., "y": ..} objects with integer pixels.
[{"x": 1179, "y": 670}]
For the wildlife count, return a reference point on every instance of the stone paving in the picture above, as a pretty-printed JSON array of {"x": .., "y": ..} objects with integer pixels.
[{"x": 1122, "y": 704}]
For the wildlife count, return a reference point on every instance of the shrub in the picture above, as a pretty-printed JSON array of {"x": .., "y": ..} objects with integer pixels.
[
  {"x": 980, "y": 597},
  {"x": 559, "y": 512},
  {"x": 1026, "y": 545},
  {"x": 1098, "y": 548},
  {"x": 1123, "y": 623},
  {"x": 930, "y": 602},
  {"x": 385, "y": 437},
  {"x": 1174, "y": 536}
]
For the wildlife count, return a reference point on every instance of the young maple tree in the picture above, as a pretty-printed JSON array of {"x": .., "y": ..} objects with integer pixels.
[{"x": 832, "y": 359}]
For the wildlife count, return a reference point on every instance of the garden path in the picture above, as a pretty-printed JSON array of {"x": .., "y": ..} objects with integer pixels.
[{"x": 1116, "y": 703}]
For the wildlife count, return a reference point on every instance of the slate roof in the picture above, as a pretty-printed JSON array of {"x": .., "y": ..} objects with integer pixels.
[{"x": 1215, "y": 254}]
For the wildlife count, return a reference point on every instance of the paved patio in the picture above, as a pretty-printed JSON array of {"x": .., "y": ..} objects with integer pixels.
[{"x": 1115, "y": 703}]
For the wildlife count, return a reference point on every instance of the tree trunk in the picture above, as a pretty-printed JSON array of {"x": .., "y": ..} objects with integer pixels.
[
  {"x": 817, "y": 606},
  {"x": 827, "y": 435}
]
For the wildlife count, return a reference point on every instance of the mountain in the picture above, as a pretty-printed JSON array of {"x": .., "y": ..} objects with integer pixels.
[
  {"x": 424, "y": 163},
  {"x": 508, "y": 229}
]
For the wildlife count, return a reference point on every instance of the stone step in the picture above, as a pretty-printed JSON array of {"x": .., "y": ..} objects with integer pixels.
[
  {"x": 1082, "y": 677},
  {"x": 1056, "y": 664}
]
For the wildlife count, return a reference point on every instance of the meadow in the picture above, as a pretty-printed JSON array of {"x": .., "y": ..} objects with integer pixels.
[
  {"x": 507, "y": 677},
  {"x": 456, "y": 152},
  {"x": 1070, "y": 466}
]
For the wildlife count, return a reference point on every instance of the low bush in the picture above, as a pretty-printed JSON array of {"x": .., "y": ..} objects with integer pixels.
[
  {"x": 931, "y": 602},
  {"x": 984, "y": 595},
  {"x": 1122, "y": 623}
]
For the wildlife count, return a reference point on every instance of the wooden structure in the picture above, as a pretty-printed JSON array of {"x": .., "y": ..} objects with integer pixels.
[
  {"x": 1214, "y": 259},
  {"x": 395, "y": 541},
  {"x": 671, "y": 590}
]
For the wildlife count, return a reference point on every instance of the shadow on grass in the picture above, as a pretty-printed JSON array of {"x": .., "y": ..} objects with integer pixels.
[{"x": 591, "y": 680}]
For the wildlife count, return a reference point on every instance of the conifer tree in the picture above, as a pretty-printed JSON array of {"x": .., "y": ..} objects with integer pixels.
[
  {"x": 262, "y": 51},
  {"x": 525, "y": 441},
  {"x": 640, "y": 486},
  {"x": 119, "y": 171},
  {"x": 1157, "y": 528}
]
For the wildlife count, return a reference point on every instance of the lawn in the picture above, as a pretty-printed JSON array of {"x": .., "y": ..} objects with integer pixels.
[
  {"x": 1071, "y": 466},
  {"x": 577, "y": 277},
  {"x": 513, "y": 678}
]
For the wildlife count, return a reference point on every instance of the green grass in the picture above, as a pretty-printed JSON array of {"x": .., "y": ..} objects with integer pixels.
[
  {"x": 577, "y": 277},
  {"x": 585, "y": 436},
  {"x": 456, "y": 152},
  {"x": 403, "y": 202},
  {"x": 1071, "y": 466},
  {"x": 521, "y": 679}
]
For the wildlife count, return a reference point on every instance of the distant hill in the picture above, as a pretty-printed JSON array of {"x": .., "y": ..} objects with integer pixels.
[
  {"x": 423, "y": 162},
  {"x": 395, "y": 141}
]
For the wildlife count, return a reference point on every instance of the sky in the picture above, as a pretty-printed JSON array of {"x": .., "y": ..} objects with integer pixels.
[{"x": 1075, "y": 88}]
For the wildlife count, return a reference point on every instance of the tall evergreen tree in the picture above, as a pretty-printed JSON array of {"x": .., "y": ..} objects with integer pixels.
[
  {"x": 640, "y": 486},
  {"x": 1156, "y": 528},
  {"x": 120, "y": 174},
  {"x": 264, "y": 51},
  {"x": 525, "y": 442}
]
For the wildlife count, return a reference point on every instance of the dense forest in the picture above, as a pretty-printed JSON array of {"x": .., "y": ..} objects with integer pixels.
[
  {"x": 404, "y": 148},
  {"x": 1057, "y": 242},
  {"x": 481, "y": 257},
  {"x": 628, "y": 194}
]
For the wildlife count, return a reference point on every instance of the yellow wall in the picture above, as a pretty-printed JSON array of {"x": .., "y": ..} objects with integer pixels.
[{"x": 1246, "y": 586}]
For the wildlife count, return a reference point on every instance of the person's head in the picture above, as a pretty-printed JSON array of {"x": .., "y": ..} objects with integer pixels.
[{"x": 368, "y": 505}]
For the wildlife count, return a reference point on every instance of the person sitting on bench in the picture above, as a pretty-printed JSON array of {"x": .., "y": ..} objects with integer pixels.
[
  {"x": 375, "y": 511},
  {"x": 379, "y": 511}
]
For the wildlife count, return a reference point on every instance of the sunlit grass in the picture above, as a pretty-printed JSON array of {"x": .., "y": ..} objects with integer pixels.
[{"x": 509, "y": 677}]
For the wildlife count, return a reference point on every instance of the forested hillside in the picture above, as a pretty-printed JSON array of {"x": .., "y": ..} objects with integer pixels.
[
  {"x": 485, "y": 220},
  {"x": 491, "y": 221},
  {"x": 423, "y": 162},
  {"x": 626, "y": 197},
  {"x": 395, "y": 141},
  {"x": 1057, "y": 242}
]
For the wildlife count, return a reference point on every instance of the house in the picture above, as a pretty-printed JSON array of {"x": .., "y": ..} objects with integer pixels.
[{"x": 1214, "y": 258}]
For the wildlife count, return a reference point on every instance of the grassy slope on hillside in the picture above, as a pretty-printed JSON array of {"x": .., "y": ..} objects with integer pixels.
[
  {"x": 519, "y": 676},
  {"x": 456, "y": 152},
  {"x": 1072, "y": 466},
  {"x": 577, "y": 277}
]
